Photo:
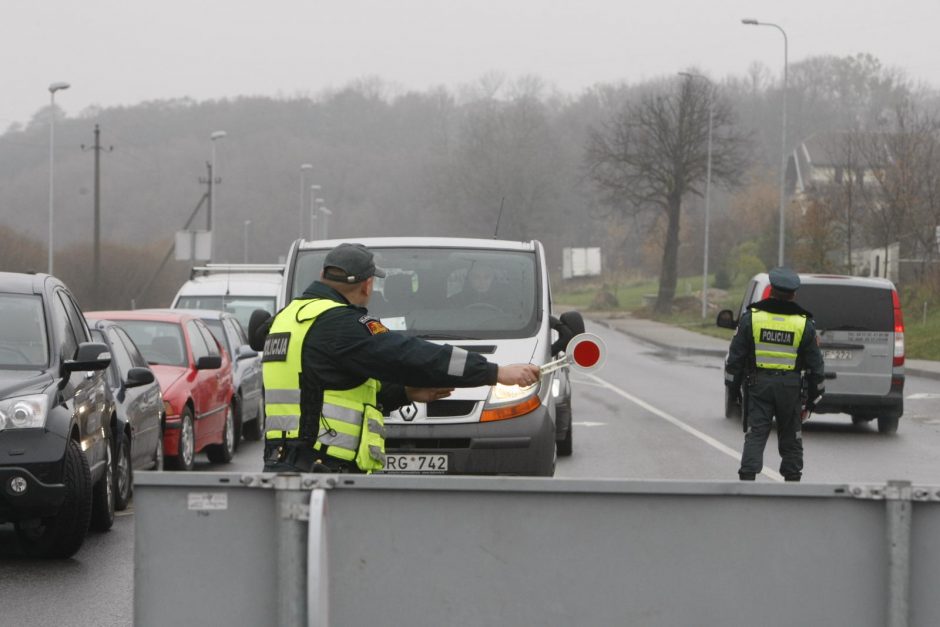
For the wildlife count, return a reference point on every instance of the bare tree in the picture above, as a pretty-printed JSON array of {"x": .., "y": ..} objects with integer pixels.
[
  {"x": 655, "y": 151},
  {"x": 902, "y": 170}
]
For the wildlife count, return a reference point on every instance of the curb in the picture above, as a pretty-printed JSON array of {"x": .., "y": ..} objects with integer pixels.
[{"x": 678, "y": 350}]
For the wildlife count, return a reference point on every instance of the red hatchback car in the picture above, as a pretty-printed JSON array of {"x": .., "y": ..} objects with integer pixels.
[{"x": 195, "y": 375}]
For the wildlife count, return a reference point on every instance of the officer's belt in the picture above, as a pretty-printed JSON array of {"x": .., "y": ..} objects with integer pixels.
[{"x": 775, "y": 372}]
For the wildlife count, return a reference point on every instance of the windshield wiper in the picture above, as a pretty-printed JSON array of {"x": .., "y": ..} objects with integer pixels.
[{"x": 442, "y": 336}]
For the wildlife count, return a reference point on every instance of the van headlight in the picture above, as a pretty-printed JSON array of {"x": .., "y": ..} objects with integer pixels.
[
  {"x": 23, "y": 412},
  {"x": 510, "y": 401}
]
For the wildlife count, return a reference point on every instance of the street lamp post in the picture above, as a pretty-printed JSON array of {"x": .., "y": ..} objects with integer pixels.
[
  {"x": 245, "y": 256},
  {"x": 783, "y": 165},
  {"x": 313, "y": 212},
  {"x": 306, "y": 167},
  {"x": 53, "y": 88},
  {"x": 326, "y": 221},
  {"x": 708, "y": 184},
  {"x": 213, "y": 179}
]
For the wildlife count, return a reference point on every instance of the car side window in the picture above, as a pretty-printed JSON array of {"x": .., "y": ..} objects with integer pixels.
[
  {"x": 196, "y": 341},
  {"x": 210, "y": 340},
  {"x": 748, "y": 294},
  {"x": 63, "y": 328},
  {"x": 132, "y": 351},
  {"x": 119, "y": 353},
  {"x": 240, "y": 332},
  {"x": 112, "y": 371},
  {"x": 75, "y": 318},
  {"x": 232, "y": 330}
]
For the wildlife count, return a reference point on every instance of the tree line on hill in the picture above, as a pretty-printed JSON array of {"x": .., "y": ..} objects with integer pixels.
[{"x": 621, "y": 166}]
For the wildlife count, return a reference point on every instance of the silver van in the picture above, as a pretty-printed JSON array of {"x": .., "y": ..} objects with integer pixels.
[
  {"x": 487, "y": 296},
  {"x": 860, "y": 329},
  {"x": 236, "y": 288}
]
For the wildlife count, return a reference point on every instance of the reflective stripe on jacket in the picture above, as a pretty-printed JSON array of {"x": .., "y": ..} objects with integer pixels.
[
  {"x": 777, "y": 339},
  {"x": 351, "y": 428}
]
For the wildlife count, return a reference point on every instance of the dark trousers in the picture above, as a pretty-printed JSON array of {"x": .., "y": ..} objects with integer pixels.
[
  {"x": 296, "y": 456},
  {"x": 774, "y": 395}
]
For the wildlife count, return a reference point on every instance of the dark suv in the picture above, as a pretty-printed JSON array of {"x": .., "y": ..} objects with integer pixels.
[{"x": 56, "y": 466}]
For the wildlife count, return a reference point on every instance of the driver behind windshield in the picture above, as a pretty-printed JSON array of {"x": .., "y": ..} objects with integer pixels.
[{"x": 481, "y": 287}]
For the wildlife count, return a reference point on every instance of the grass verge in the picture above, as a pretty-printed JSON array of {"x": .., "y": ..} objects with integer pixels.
[{"x": 636, "y": 297}]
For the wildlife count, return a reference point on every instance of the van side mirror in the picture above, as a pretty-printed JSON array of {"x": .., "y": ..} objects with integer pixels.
[
  {"x": 726, "y": 319},
  {"x": 568, "y": 325}
]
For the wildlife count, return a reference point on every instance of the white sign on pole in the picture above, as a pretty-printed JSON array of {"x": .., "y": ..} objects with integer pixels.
[
  {"x": 184, "y": 245},
  {"x": 577, "y": 262},
  {"x": 193, "y": 245},
  {"x": 202, "y": 245}
]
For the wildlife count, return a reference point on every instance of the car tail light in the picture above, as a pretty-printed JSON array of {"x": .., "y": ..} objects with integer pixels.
[
  {"x": 766, "y": 293},
  {"x": 898, "y": 330}
]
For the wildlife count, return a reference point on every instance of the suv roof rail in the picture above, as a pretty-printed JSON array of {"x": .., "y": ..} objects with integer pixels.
[{"x": 232, "y": 268}]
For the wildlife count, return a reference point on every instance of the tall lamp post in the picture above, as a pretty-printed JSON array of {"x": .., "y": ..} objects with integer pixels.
[
  {"x": 313, "y": 212},
  {"x": 783, "y": 148},
  {"x": 306, "y": 167},
  {"x": 708, "y": 184},
  {"x": 53, "y": 88},
  {"x": 213, "y": 178},
  {"x": 326, "y": 217}
]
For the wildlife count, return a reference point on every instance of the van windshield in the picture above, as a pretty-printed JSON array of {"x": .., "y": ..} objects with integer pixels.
[
  {"x": 446, "y": 293},
  {"x": 848, "y": 307},
  {"x": 239, "y": 306}
]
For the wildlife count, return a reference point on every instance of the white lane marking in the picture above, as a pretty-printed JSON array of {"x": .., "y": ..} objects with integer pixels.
[
  {"x": 588, "y": 423},
  {"x": 922, "y": 396},
  {"x": 583, "y": 382},
  {"x": 704, "y": 437}
]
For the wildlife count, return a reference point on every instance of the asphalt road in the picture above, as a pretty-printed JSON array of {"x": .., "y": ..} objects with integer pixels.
[{"x": 647, "y": 414}]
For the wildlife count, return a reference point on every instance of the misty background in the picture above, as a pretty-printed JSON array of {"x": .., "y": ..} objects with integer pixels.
[{"x": 392, "y": 161}]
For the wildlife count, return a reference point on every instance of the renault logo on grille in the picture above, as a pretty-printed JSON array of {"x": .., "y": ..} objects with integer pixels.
[{"x": 408, "y": 412}]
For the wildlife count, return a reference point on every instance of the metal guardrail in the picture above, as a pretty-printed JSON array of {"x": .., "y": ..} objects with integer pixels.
[{"x": 261, "y": 549}]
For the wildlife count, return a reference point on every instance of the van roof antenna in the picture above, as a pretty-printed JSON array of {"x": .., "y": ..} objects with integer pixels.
[{"x": 499, "y": 216}]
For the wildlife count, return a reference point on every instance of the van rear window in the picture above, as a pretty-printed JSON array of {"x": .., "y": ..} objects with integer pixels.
[{"x": 848, "y": 307}]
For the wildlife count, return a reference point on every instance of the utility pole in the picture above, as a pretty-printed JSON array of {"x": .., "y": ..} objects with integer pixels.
[
  {"x": 97, "y": 201},
  {"x": 209, "y": 181}
]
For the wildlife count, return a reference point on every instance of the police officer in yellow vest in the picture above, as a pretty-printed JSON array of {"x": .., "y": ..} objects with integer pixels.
[
  {"x": 774, "y": 342},
  {"x": 331, "y": 372}
]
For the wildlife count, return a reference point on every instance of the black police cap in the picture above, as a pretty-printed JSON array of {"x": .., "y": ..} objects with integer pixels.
[
  {"x": 350, "y": 263},
  {"x": 784, "y": 279}
]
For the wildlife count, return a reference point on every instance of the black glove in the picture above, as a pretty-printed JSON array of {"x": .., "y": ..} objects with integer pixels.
[{"x": 815, "y": 395}]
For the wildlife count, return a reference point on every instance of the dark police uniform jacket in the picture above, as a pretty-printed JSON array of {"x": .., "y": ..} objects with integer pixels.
[
  {"x": 741, "y": 353},
  {"x": 346, "y": 346}
]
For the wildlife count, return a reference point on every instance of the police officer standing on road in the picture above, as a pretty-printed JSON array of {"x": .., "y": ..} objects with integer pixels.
[
  {"x": 775, "y": 341},
  {"x": 331, "y": 371}
]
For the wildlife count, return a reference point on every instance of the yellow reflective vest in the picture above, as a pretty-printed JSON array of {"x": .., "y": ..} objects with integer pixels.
[
  {"x": 351, "y": 428},
  {"x": 777, "y": 339}
]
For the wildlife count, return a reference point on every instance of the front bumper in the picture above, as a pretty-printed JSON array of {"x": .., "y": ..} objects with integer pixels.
[
  {"x": 518, "y": 446},
  {"x": 38, "y": 500}
]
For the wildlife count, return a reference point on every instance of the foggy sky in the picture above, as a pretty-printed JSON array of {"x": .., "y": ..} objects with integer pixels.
[{"x": 123, "y": 52}]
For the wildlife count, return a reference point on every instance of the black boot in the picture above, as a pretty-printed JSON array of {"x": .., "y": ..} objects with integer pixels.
[{"x": 747, "y": 476}]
